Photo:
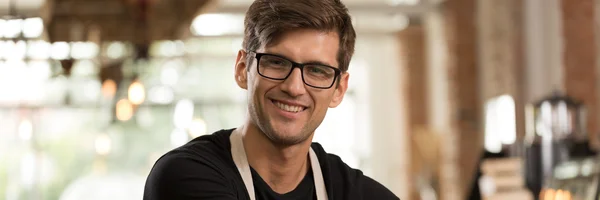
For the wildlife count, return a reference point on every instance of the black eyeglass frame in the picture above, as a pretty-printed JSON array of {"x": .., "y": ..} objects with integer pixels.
[{"x": 300, "y": 66}]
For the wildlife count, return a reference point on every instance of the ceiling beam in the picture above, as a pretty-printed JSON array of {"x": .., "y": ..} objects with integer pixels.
[
  {"x": 70, "y": 8},
  {"x": 410, "y": 10},
  {"x": 117, "y": 20}
]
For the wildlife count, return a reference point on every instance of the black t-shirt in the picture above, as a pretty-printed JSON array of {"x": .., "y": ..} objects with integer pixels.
[
  {"x": 204, "y": 169},
  {"x": 304, "y": 191}
]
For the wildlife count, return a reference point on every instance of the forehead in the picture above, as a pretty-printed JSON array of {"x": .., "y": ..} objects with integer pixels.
[{"x": 307, "y": 45}]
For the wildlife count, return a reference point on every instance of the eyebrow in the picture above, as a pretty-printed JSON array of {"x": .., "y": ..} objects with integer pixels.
[{"x": 310, "y": 62}]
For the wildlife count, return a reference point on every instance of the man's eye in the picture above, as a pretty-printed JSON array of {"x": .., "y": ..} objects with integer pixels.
[
  {"x": 317, "y": 70},
  {"x": 277, "y": 62}
]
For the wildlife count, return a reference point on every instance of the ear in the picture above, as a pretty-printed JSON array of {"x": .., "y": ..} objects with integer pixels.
[
  {"x": 340, "y": 91},
  {"x": 241, "y": 71}
]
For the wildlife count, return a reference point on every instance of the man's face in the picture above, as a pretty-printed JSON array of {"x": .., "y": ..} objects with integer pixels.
[{"x": 288, "y": 111}]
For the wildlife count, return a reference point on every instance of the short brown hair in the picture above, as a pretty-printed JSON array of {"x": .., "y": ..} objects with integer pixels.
[{"x": 266, "y": 20}]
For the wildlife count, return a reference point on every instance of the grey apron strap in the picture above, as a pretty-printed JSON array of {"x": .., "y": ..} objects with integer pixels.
[
  {"x": 318, "y": 176},
  {"x": 241, "y": 162},
  {"x": 238, "y": 153}
]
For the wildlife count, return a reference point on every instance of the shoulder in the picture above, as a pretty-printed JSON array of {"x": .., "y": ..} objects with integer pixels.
[
  {"x": 212, "y": 150},
  {"x": 216, "y": 144},
  {"x": 206, "y": 150},
  {"x": 344, "y": 182},
  {"x": 203, "y": 163}
]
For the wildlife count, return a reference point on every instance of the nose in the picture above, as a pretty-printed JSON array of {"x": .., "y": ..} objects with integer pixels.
[{"x": 294, "y": 85}]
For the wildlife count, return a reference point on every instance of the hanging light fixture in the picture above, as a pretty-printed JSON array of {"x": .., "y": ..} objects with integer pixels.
[
  {"x": 124, "y": 110},
  {"x": 109, "y": 88},
  {"x": 20, "y": 32},
  {"x": 17, "y": 26},
  {"x": 32, "y": 27},
  {"x": 136, "y": 93},
  {"x": 13, "y": 24}
]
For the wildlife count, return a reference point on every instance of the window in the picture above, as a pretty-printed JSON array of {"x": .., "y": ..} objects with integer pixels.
[{"x": 500, "y": 123}]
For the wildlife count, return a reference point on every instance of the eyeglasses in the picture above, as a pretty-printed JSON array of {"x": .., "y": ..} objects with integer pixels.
[{"x": 279, "y": 68}]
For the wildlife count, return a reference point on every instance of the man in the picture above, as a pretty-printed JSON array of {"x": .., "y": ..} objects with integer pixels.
[{"x": 294, "y": 66}]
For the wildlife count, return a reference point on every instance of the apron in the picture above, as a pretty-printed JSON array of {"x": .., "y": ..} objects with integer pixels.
[{"x": 241, "y": 162}]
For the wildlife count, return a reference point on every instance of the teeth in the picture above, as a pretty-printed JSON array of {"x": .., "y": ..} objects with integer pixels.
[{"x": 288, "y": 108}]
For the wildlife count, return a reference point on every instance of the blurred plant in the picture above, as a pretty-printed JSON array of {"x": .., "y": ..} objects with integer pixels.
[
  {"x": 71, "y": 159},
  {"x": 132, "y": 146}
]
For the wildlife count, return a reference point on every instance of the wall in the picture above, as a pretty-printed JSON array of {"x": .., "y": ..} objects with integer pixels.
[{"x": 384, "y": 89}]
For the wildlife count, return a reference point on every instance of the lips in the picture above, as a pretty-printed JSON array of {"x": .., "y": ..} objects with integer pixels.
[{"x": 288, "y": 107}]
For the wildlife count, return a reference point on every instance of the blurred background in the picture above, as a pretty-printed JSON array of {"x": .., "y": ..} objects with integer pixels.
[{"x": 448, "y": 99}]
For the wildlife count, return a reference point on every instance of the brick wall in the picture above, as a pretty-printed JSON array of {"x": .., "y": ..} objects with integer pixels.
[
  {"x": 464, "y": 88},
  {"x": 412, "y": 59},
  {"x": 500, "y": 57},
  {"x": 412, "y": 56},
  {"x": 580, "y": 56},
  {"x": 501, "y": 53}
]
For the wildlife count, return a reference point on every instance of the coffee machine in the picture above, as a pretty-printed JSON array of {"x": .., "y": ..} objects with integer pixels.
[{"x": 556, "y": 137}]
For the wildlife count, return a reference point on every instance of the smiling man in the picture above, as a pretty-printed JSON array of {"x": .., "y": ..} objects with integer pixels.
[{"x": 294, "y": 67}]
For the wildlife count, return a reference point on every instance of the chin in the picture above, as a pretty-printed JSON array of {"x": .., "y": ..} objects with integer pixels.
[{"x": 286, "y": 137}]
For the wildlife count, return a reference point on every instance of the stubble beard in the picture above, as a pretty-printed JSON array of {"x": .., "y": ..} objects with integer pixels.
[
  {"x": 280, "y": 140},
  {"x": 262, "y": 122}
]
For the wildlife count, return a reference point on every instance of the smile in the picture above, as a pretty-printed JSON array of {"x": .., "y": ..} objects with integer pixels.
[{"x": 287, "y": 107}]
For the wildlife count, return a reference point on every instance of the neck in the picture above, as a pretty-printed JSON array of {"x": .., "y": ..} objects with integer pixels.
[{"x": 281, "y": 167}]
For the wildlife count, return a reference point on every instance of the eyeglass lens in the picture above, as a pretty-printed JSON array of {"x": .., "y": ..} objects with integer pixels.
[{"x": 275, "y": 67}]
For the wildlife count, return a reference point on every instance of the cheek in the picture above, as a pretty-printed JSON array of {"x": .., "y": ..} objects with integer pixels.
[
  {"x": 322, "y": 101},
  {"x": 253, "y": 84},
  {"x": 257, "y": 90},
  {"x": 255, "y": 94},
  {"x": 253, "y": 91}
]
